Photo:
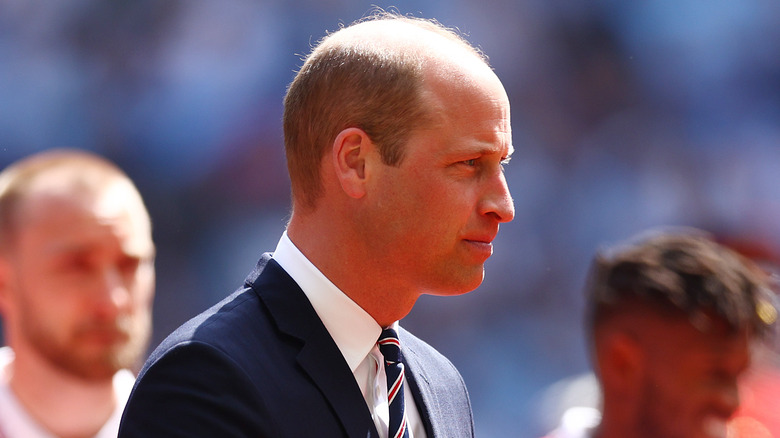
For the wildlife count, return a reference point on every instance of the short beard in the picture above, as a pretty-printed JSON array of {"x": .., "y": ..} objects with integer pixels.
[{"x": 66, "y": 355}]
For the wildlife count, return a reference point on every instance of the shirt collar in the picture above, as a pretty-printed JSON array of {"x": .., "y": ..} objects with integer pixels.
[{"x": 352, "y": 328}]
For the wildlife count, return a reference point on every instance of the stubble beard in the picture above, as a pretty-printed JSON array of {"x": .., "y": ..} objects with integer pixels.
[{"x": 70, "y": 356}]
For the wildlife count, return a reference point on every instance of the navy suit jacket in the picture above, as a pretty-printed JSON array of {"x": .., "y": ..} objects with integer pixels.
[{"x": 261, "y": 364}]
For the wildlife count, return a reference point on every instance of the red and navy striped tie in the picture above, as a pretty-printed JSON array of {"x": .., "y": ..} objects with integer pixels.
[{"x": 390, "y": 347}]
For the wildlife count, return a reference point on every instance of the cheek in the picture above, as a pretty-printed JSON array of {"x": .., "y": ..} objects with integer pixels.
[
  {"x": 446, "y": 201},
  {"x": 47, "y": 302},
  {"x": 55, "y": 320},
  {"x": 422, "y": 204}
]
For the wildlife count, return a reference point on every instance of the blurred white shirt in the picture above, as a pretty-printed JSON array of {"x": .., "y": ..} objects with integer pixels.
[
  {"x": 577, "y": 422},
  {"x": 15, "y": 422}
]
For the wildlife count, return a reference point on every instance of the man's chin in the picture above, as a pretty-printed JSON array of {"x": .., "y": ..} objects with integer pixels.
[
  {"x": 96, "y": 364},
  {"x": 462, "y": 286},
  {"x": 94, "y": 369}
]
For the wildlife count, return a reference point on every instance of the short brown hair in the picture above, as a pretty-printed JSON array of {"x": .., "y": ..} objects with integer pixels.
[
  {"x": 343, "y": 84},
  {"x": 82, "y": 169},
  {"x": 679, "y": 272}
]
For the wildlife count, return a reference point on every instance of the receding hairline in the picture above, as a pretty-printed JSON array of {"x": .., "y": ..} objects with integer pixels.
[
  {"x": 23, "y": 174},
  {"x": 394, "y": 33},
  {"x": 37, "y": 174},
  {"x": 370, "y": 74},
  {"x": 442, "y": 54}
]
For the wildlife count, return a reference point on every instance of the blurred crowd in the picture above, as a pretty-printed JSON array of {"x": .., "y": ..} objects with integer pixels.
[{"x": 626, "y": 115}]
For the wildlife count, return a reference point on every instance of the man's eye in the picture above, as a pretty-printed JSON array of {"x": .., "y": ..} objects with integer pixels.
[
  {"x": 75, "y": 264},
  {"x": 129, "y": 264},
  {"x": 472, "y": 162}
]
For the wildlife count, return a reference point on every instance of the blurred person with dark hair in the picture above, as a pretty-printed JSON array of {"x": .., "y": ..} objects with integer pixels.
[
  {"x": 396, "y": 132},
  {"x": 76, "y": 291},
  {"x": 672, "y": 317}
]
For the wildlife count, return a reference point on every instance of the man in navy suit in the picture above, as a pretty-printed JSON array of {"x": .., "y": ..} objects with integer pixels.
[{"x": 396, "y": 133}]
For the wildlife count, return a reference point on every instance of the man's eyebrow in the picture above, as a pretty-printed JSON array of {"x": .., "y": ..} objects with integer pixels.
[{"x": 490, "y": 150}]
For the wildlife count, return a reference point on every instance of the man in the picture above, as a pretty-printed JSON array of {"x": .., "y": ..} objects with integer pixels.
[
  {"x": 76, "y": 289},
  {"x": 396, "y": 131},
  {"x": 671, "y": 317}
]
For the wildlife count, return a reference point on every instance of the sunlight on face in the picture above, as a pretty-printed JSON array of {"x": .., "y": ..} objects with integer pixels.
[
  {"x": 438, "y": 212},
  {"x": 84, "y": 279},
  {"x": 690, "y": 387}
]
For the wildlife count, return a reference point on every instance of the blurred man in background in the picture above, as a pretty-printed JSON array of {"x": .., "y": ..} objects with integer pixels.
[
  {"x": 672, "y": 318},
  {"x": 76, "y": 291}
]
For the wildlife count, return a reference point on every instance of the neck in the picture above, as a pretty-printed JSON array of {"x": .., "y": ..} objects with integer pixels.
[
  {"x": 65, "y": 405},
  {"x": 350, "y": 264}
]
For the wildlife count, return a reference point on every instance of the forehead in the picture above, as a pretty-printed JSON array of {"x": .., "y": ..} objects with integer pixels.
[
  {"x": 469, "y": 102},
  {"x": 702, "y": 337},
  {"x": 67, "y": 216}
]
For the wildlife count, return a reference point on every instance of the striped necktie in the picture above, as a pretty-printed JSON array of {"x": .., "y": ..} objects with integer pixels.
[{"x": 390, "y": 347}]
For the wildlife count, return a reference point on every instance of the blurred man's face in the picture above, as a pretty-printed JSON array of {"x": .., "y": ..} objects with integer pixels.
[
  {"x": 81, "y": 280},
  {"x": 690, "y": 383}
]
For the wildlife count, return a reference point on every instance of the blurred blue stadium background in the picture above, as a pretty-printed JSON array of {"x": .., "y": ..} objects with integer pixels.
[{"x": 626, "y": 115}]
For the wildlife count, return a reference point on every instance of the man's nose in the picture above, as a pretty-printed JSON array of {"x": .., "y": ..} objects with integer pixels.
[
  {"x": 498, "y": 201},
  {"x": 113, "y": 294}
]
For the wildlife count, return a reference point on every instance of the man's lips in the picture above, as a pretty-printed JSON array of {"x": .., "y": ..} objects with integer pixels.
[
  {"x": 479, "y": 241},
  {"x": 481, "y": 244},
  {"x": 483, "y": 238}
]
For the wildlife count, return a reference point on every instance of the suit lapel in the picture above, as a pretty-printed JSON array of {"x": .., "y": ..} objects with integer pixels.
[
  {"x": 420, "y": 385},
  {"x": 340, "y": 389},
  {"x": 319, "y": 356}
]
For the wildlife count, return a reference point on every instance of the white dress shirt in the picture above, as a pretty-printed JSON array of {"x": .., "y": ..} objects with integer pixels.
[
  {"x": 355, "y": 333},
  {"x": 15, "y": 422},
  {"x": 577, "y": 422}
]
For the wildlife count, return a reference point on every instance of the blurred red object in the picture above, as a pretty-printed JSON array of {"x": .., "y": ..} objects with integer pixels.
[{"x": 759, "y": 413}]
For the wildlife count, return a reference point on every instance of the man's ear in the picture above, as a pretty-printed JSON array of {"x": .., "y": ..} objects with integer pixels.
[
  {"x": 621, "y": 361},
  {"x": 350, "y": 149},
  {"x": 5, "y": 284}
]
